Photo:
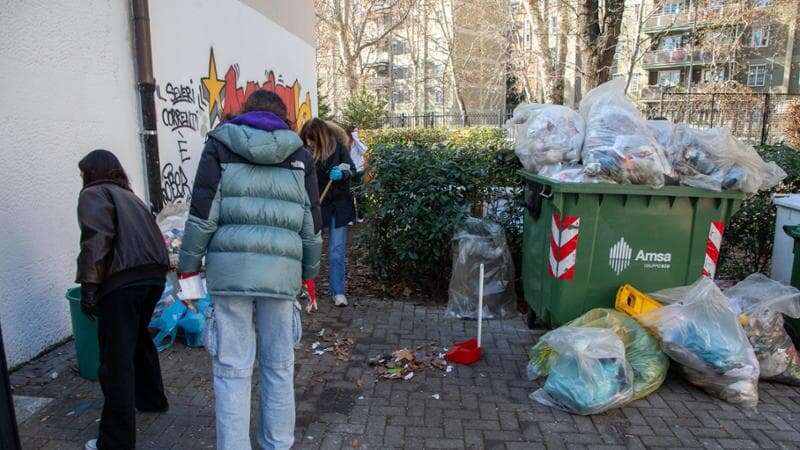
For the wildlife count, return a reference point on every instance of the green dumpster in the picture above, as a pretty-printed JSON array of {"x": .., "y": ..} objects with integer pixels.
[
  {"x": 793, "y": 325},
  {"x": 582, "y": 241},
  {"x": 85, "y": 332}
]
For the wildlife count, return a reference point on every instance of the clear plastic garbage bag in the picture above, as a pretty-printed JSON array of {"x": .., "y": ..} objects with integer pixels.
[
  {"x": 476, "y": 242},
  {"x": 568, "y": 173},
  {"x": 172, "y": 223},
  {"x": 642, "y": 351},
  {"x": 662, "y": 130},
  {"x": 619, "y": 146},
  {"x": 702, "y": 334},
  {"x": 763, "y": 303},
  {"x": 714, "y": 159},
  {"x": 587, "y": 373},
  {"x": 546, "y": 134}
]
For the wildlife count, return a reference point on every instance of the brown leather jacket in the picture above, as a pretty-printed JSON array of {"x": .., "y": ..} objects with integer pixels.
[{"x": 120, "y": 241}]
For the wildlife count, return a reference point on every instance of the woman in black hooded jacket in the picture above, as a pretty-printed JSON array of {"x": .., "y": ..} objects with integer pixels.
[{"x": 121, "y": 269}]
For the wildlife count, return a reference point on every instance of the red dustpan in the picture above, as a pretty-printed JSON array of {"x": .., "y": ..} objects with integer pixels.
[{"x": 469, "y": 351}]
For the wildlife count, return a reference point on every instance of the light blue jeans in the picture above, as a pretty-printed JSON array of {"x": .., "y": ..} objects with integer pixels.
[
  {"x": 231, "y": 335},
  {"x": 337, "y": 257}
]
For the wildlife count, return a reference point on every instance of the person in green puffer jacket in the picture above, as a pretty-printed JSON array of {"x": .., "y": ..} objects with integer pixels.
[{"x": 255, "y": 218}]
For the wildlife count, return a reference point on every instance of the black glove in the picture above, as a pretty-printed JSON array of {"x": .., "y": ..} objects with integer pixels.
[{"x": 89, "y": 300}]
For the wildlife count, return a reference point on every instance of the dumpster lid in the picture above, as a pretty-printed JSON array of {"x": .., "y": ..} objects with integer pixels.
[
  {"x": 628, "y": 189},
  {"x": 791, "y": 201}
]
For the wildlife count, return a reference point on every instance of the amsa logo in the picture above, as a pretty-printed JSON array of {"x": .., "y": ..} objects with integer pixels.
[{"x": 621, "y": 255}]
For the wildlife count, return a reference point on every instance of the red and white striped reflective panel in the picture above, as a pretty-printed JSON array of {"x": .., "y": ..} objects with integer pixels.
[
  {"x": 712, "y": 248},
  {"x": 563, "y": 246}
]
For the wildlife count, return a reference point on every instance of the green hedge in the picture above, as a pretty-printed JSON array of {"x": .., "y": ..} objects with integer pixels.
[
  {"x": 423, "y": 183},
  {"x": 747, "y": 245}
]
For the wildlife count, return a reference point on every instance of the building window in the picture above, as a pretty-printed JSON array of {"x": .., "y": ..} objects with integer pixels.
[
  {"x": 672, "y": 9},
  {"x": 673, "y": 42},
  {"x": 669, "y": 78},
  {"x": 716, "y": 4},
  {"x": 757, "y": 75},
  {"x": 401, "y": 72},
  {"x": 714, "y": 75},
  {"x": 760, "y": 3},
  {"x": 760, "y": 38},
  {"x": 553, "y": 26},
  {"x": 401, "y": 96},
  {"x": 636, "y": 83}
]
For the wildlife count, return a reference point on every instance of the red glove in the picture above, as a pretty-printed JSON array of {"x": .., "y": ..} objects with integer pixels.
[
  {"x": 186, "y": 275},
  {"x": 311, "y": 288}
]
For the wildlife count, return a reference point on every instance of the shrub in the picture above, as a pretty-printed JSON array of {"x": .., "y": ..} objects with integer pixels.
[
  {"x": 747, "y": 247},
  {"x": 364, "y": 110},
  {"x": 421, "y": 190}
]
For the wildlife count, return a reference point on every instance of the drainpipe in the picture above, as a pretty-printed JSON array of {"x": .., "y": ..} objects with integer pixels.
[
  {"x": 147, "y": 87},
  {"x": 9, "y": 434}
]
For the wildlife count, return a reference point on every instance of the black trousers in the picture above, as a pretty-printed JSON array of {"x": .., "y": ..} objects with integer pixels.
[{"x": 130, "y": 375}]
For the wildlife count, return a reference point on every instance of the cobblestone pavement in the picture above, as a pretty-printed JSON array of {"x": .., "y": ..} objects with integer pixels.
[{"x": 340, "y": 404}]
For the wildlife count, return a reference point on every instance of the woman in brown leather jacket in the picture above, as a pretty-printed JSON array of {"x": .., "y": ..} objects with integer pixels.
[{"x": 121, "y": 268}]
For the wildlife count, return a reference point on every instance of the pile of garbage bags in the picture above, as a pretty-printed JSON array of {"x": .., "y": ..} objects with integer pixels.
[
  {"x": 480, "y": 241},
  {"x": 722, "y": 342},
  {"x": 608, "y": 140},
  {"x": 173, "y": 318},
  {"x": 761, "y": 304},
  {"x": 702, "y": 334},
  {"x": 601, "y": 360}
]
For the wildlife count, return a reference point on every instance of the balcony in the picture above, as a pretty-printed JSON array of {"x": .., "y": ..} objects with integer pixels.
[
  {"x": 686, "y": 19},
  {"x": 669, "y": 21},
  {"x": 681, "y": 57}
]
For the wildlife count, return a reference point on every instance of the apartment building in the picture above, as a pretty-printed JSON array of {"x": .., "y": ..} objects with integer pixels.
[
  {"x": 693, "y": 43},
  {"x": 449, "y": 56}
]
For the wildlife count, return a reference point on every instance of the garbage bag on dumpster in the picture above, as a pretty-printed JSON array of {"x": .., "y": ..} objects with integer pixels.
[
  {"x": 702, "y": 334},
  {"x": 714, "y": 159},
  {"x": 619, "y": 146},
  {"x": 642, "y": 351},
  {"x": 546, "y": 134},
  {"x": 763, "y": 303},
  {"x": 568, "y": 173},
  {"x": 476, "y": 242},
  {"x": 662, "y": 130},
  {"x": 587, "y": 372},
  {"x": 172, "y": 222}
]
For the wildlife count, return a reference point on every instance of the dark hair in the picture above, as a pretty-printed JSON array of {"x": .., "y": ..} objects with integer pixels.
[
  {"x": 319, "y": 138},
  {"x": 102, "y": 165},
  {"x": 262, "y": 100}
]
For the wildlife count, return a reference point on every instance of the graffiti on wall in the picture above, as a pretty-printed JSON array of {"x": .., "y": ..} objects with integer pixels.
[{"x": 189, "y": 108}]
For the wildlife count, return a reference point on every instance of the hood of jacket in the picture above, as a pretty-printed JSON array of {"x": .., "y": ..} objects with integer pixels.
[{"x": 259, "y": 137}]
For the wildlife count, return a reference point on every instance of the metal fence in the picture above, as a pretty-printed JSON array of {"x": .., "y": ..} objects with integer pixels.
[
  {"x": 755, "y": 118},
  {"x": 431, "y": 120}
]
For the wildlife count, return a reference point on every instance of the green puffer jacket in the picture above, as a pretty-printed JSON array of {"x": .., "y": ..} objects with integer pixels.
[{"x": 255, "y": 211}]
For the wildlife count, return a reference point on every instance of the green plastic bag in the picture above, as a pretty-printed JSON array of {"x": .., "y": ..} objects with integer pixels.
[{"x": 642, "y": 350}]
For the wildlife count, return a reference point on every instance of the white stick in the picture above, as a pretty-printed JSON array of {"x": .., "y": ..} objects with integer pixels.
[{"x": 480, "y": 306}]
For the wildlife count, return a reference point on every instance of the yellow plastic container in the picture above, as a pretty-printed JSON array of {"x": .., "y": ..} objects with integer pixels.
[{"x": 633, "y": 302}]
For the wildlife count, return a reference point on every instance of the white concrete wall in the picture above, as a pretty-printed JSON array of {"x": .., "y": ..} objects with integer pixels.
[{"x": 67, "y": 86}]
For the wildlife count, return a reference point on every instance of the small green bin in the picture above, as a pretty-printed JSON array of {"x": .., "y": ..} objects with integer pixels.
[
  {"x": 85, "y": 331},
  {"x": 793, "y": 325},
  {"x": 582, "y": 241}
]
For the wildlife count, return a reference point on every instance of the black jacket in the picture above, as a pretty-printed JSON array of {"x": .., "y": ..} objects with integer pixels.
[
  {"x": 120, "y": 241},
  {"x": 338, "y": 202}
]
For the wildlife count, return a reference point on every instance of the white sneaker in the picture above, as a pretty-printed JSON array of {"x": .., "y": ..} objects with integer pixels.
[
  {"x": 91, "y": 445},
  {"x": 340, "y": 300}
]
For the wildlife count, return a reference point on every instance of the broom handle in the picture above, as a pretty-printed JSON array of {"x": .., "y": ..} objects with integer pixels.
[
  {"x": 325, "y": 192},
  {"x": 480, "y": 306}
]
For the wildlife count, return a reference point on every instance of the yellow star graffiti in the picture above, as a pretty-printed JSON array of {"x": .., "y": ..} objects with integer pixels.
[{"x": 213, "y": 85}]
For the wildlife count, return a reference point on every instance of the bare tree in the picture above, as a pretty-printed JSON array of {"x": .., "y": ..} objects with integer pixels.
[
  {"x": 599, "y": 25},
  {"x": 358, "y": 26}
]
